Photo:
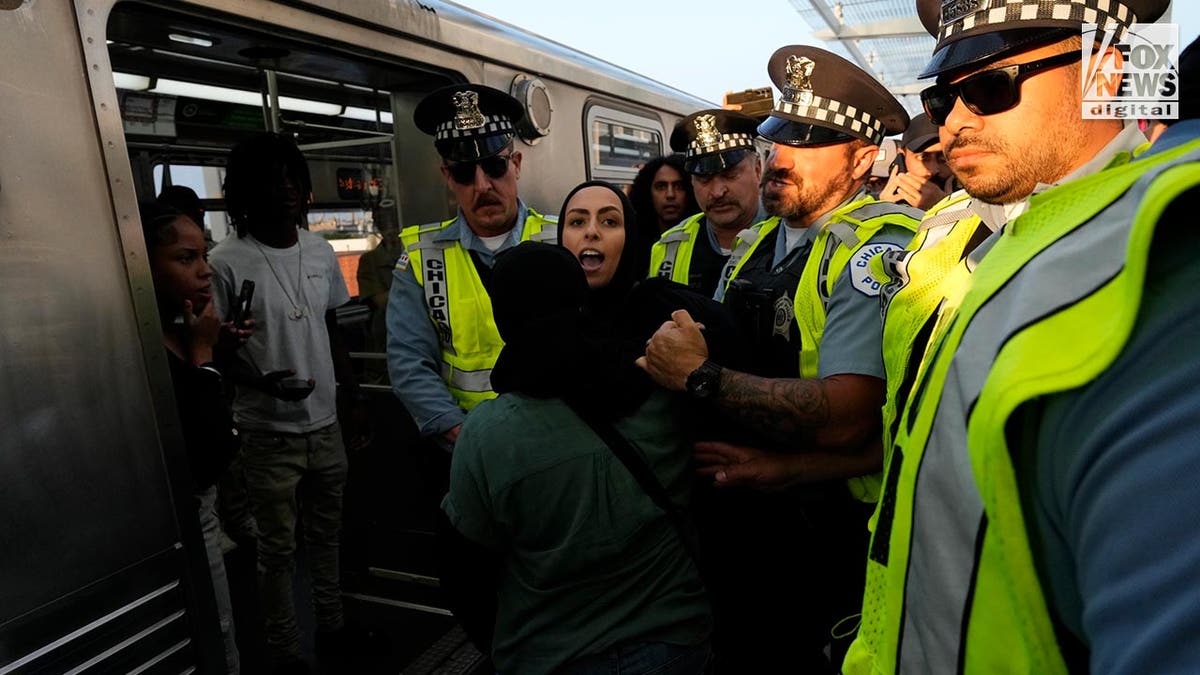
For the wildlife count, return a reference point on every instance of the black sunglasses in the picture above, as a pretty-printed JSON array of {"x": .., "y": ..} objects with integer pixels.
[
  {"x": 463, "y": 173},
  {"x": 990, "y": 92}
]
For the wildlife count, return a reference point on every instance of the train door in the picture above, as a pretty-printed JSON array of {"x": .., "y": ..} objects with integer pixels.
[{"x": 192, "y": 82}]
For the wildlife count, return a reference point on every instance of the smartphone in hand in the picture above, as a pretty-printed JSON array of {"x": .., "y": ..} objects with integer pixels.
[{"x": 242, "y": 309}]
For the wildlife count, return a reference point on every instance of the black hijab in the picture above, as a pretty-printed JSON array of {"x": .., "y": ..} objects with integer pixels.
[
  {"x": 606, "y": 302},
  {"x": 555, "y": 346}
]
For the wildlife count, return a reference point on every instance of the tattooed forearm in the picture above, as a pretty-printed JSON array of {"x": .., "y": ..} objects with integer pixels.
[{"x": 777, "y": 407}]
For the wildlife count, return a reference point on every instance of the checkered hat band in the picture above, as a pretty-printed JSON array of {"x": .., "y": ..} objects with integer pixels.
[
  {"x": 836, "y": 114},
  {"x": 492, "y": 125},
  {"x": 727, "y": 142},
  {"x": 990, "y": 12}
]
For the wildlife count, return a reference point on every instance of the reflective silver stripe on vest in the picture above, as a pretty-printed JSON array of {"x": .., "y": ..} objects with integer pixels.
[
  {"x": 948, "y": 514},
  {"x": 433, "y": 271},
  {"x": 477, "y": 381},
  {"x": 844, "y": 232},
  {"x": 823, "y": 272},
  {"x": 877, "y": 209},
  {"x": 546, "y": 236},
  {"x": 672, "y": 240},
  {"x": 745, "y": 240}
]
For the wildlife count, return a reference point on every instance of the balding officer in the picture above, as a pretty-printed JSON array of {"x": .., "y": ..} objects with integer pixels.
[
  {"x": 725, "y": 173},
  {"x": 1056, "y": 389},
  {"x": 816, "y": 380},
  {"x": 442, "y": 341}
]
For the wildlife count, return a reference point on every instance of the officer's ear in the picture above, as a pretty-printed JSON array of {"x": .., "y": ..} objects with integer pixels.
[
  {"x": 516, "y": 164},
  {"x": 862, "y": 158}
]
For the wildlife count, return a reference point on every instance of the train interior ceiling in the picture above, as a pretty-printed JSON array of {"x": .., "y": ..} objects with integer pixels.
[{"x": 191, "y": 86}]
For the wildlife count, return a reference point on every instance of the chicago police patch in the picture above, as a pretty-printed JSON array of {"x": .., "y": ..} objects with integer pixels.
[
  {"x": 402, "y": 262},
  {"x": 860, "y": 268}
]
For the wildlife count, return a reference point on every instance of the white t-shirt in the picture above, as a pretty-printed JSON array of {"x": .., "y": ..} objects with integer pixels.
[
  {"x": 280, "y": 341},
  {"x": 793, "y": 235}
]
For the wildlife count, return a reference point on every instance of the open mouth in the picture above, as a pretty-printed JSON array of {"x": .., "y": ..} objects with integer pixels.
[{"x": 591, "y": 260}]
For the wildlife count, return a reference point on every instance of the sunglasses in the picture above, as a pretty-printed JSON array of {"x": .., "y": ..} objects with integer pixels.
[
  {"x": 463, "y": 173},
  {"x": 990, "y": 92}
]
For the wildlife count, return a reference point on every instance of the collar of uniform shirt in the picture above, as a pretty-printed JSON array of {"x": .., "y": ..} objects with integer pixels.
[
  {"x": 810, "y": 233},
  {"x": 459, "y": 230},
  {"x": 996, "y": 216}
]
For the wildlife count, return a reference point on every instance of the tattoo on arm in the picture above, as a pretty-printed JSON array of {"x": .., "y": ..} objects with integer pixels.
[{"x": 779, "y": 407}]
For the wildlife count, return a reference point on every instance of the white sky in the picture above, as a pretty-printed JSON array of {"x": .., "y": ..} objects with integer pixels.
[{"x": 703, "y": 47}]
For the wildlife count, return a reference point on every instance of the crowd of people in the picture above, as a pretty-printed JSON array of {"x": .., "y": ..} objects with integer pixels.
[{"x": 752, "y": 416}]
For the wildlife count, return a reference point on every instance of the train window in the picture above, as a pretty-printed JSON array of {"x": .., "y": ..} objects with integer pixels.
[
  {"x": 186, "y": 103},
  {"x": 620, "y": 142}
]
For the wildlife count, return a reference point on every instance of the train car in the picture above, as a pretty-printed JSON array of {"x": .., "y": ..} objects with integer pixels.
[{"x": 103, "y": 103}]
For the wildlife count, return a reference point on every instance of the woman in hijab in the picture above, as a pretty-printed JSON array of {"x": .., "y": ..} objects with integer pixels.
[
  {"x": 598, "y": 225},
  {"x": 593, "y": 575}
]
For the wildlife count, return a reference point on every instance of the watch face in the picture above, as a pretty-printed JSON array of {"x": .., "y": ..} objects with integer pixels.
[{"x": 701, "y": 382}]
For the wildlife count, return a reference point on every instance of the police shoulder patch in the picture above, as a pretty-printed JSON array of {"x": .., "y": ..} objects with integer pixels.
[
  {"x": 861, "y": 276},
  {"x": 402, "y": 262}
]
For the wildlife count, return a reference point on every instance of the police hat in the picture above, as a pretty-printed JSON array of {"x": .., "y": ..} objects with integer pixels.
[
  {"x": 973, "y": 32},
  {"x": 921, "y": 134},
  {"x": 827, "y": 99},
  {"x": 713, "y": 140},
  {"x": 468, "y": 121}
]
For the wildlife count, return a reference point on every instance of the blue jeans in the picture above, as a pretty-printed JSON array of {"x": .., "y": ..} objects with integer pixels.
[{"x": 647, "y": 658}]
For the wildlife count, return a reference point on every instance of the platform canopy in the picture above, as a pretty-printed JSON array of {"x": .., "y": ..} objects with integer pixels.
[{"x": 884, "y": 37}]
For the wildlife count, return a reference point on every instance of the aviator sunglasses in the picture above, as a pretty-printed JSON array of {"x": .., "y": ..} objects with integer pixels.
[
  {"x": 463, "y": 173},
  {"x": 990, "y": 92}
]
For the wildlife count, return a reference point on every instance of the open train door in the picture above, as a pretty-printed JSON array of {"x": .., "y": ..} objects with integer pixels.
[{"x": 103, "y": 567}]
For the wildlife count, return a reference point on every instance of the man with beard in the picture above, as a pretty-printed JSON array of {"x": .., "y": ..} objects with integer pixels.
[
  {"x": 815, "y": 383},
  {"x": 442, "y": 342},
  {"x": 1005, "y": 540},
  {"x": 725, "y": 173}
]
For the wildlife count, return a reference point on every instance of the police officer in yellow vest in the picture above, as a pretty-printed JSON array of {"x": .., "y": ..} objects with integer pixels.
[
  {"x": 1031, "y": 517},
  {"x": 725, "y": 173},
  {"x": 816, "y": 382},
  {"x": 442, "y": 341}
]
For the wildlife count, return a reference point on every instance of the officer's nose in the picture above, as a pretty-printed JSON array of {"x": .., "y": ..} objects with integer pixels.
[
  {"x": 776, "y": 160},
  {"x": 482, "y": 182}
]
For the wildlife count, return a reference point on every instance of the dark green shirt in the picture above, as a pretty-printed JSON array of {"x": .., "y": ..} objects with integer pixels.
[{"x": 590, "y": 561}]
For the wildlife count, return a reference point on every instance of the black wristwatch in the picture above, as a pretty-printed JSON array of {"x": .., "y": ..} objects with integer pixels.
[{"x": 704, "y": 381}]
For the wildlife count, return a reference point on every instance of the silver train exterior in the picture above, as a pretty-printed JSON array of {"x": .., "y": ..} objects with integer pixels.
[{"x": 102, "y": 569}]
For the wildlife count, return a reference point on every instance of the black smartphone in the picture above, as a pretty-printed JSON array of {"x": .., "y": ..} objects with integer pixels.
[
  {"x": 242, "y": 309},
  {"x": 296, "y": 385},
  {"x": 899, "y": 162}
]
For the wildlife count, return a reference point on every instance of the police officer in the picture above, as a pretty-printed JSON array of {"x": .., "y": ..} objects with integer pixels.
[
  {"x": 725, "y": 173},
  {"x": 440, "y": 366},
  {"x": 1049, "y": 396},
  {"x": 816, "y": 381}
]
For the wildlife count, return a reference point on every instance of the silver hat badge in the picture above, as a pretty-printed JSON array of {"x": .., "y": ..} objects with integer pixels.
[
  {"x": 466, "y": 111},
  {"x": 799, "y": 88},
  {"x": 706, "y": 131}
]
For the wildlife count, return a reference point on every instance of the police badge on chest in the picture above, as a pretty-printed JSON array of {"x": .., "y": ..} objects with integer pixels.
[{"x": 784, "y": 314}]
